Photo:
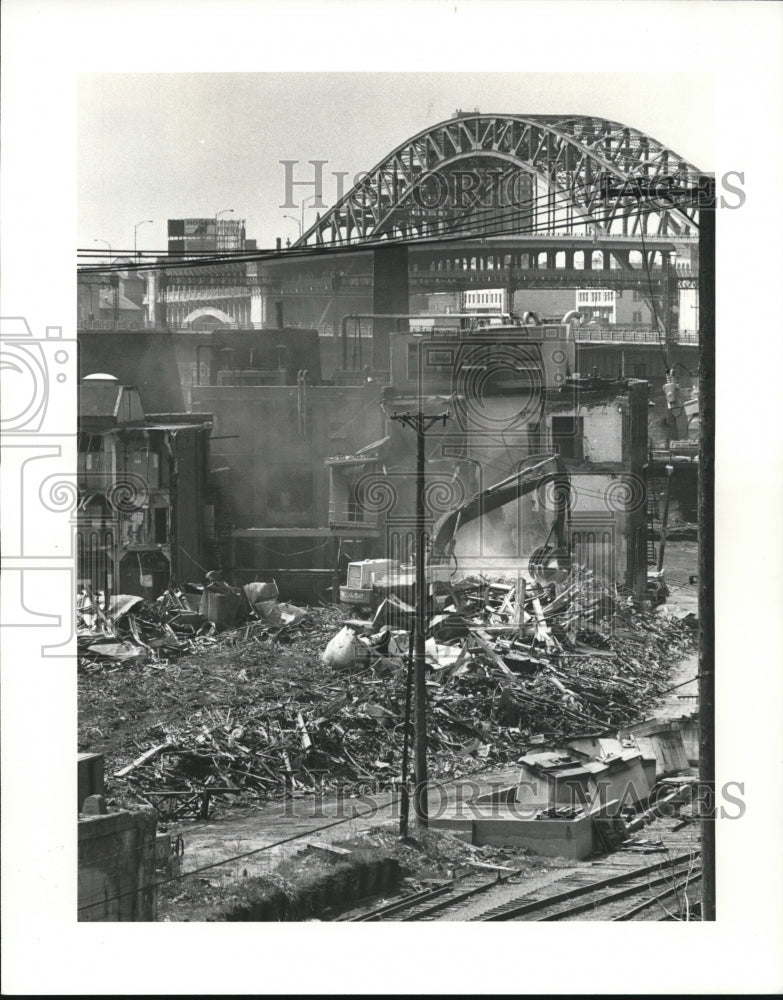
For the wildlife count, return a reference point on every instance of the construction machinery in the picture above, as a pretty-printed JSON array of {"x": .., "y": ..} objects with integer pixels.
[{"x": 547, "y": 563}]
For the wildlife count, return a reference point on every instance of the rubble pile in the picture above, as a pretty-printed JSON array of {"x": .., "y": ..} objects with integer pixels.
[
  {"x": 132, "y": 628},
  {"x": 255, "y": 711}
]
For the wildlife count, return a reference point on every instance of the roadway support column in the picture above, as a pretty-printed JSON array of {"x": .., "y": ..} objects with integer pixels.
[
  {"x": 389, "y": 295},
  {"x": 263, "y": 311}
]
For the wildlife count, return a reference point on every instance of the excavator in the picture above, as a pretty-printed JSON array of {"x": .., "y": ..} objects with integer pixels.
[{"x": 547, "y": 563}]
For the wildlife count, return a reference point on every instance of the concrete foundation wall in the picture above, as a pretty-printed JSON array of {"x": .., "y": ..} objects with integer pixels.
[
  {"x": 552, "y": 838},
  {"x": 664, "y": 741},
  {"x": 628, "y": 782},
  {"x": 625, "y": 781},
  {"x": 117, "y": 866},
  {"x": 90, "y": 776},
  {"x": 689, "y": 730}
]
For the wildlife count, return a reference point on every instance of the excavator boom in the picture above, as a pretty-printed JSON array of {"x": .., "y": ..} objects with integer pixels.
[{"x": 518, "y": 485}]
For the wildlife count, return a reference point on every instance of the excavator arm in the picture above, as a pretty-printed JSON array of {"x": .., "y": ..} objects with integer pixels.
[{"x": 522, "y": 482}]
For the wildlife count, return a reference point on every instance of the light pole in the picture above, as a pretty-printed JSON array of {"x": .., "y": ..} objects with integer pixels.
[
  {"x": 300, "y": 220},
  {"x": 294, "y": 219},
  {"x": 135, "y": 230},
  {"x": 217, "y": 216},
  {"x": 114, "y": 285},
  {"x": 311, "y": 197}
]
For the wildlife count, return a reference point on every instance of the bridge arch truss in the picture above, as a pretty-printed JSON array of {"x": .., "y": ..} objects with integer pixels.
[{"x": 481, "y": 175}]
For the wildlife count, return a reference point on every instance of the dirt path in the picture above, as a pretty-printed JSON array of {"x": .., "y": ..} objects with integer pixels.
[{"x": 260, "y": 831}]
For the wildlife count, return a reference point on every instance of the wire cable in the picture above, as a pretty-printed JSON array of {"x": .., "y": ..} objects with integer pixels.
[
  {"x": 373, "y": 809},
  {"x": 342, "y": 247}
]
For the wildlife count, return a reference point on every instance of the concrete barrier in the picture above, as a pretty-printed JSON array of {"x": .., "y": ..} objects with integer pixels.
[
  {"x": 117, "y": 866},
  {"x": 662, "y": 739},
  {"x": 90, "y": 776},
  {"x": 689, "y": 730},
  {"x": 554, "y": 838}
]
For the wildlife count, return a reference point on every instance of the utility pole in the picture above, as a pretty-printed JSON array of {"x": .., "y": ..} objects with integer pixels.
[
  {"x": 707, "y": 808},
  {"x": 421, "y": 423},
  {"x": 703, "y": 198}
]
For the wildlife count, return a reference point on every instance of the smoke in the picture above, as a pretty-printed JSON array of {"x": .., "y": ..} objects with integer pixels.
[{"x": 499, "y": 544}]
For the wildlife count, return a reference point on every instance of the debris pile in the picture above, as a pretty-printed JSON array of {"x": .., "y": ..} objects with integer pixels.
[
  {"x": 177, "y": 623},
  {"x": 132, "y": 628},
  {"x": 256, "y": 712}
]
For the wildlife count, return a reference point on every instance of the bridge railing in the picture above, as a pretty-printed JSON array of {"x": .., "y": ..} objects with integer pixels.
[
  {"x": 629, "y": 335},
  {"x": 120, "y": 324}
]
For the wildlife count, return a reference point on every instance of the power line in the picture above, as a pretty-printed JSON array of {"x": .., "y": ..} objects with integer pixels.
[
  {"x": 472, "y": 217},
  {"x": 337, "y": 249},
  {"x": 393, "y": 801}
]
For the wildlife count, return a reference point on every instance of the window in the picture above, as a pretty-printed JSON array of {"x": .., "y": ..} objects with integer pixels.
[
  {"x": 637, "y": 295},
  {"x": 413, "y": 361},
  {"x": 90, "y": 448},
  {"x": 567, "y": 434},
  {"x": 161, "y": 525},
  {"x": 289, "y": 495},
  {"x": 439, "y": 359},
  {"x": 637, "y": 318}
]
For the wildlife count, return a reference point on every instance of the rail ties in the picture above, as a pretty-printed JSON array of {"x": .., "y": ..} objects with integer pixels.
[
  {"x": 671, "y": 876},
  {"x": 583, "y": 894},
  {"x": 420, "y": 905},
  {"x": 677, "y": 889},
  {"x": 388, "y": 910}
]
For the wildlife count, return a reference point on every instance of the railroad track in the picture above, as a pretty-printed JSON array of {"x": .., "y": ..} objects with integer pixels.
[
  {"x": 580, "y": 896},
  {"x": 423, "y": 905}
]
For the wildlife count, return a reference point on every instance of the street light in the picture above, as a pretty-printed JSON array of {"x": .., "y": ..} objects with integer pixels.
[
  {"x": 135, "y": 230},
  {"x": 217, "y": 216},
  {"x": 114, "y": 283},
  {"x": 294, "y": 219},
  {"x": 312, "y": 197},
  {"x": 300, "y": 220}
]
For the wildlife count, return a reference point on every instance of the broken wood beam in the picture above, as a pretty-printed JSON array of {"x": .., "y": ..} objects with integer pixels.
[{"x": 144, "y": 759}]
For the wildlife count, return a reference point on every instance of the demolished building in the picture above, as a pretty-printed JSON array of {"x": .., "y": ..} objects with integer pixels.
[
  {"x": 307, "y": 473},
  {"x": 275, "y": 422},
  {"x": 513, "y": 399},
  {"x": 144, "y": 511}
]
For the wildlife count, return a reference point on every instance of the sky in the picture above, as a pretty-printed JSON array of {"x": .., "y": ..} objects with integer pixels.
[{"x": 159, "y": 146}]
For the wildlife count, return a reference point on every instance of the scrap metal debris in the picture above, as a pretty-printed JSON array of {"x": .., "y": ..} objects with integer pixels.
[{"x": 262, "y": 712}]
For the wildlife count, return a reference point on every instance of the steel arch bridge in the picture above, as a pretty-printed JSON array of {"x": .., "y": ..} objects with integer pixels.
[{"x": 479, "y": 175}]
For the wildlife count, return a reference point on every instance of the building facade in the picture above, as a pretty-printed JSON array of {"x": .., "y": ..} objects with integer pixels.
[
  {"x": 207, "y": 235},
  {"x": 144, "y": 507}
]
